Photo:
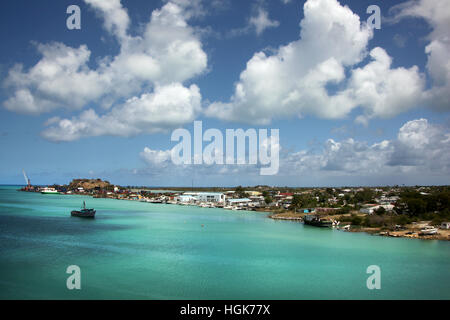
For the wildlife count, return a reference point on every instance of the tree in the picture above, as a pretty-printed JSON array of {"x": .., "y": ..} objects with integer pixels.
[
  {"x": 380, "y": 211},
  {"x": 240, "y": 192},
  {"x": 268, "y": 200},
  {"x": 296, "y": 201},
  {"x": 416, "y": 206},
  {"x": 364, "y": 196}
]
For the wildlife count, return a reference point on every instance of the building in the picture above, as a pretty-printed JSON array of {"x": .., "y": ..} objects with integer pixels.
[
  {"x": 203, "y": 197},
  {"x": 306, "y": 210},
  {"x": 211, "y": 197},
  {"x": 185, "y": 198},
  {"x": 445, "y": 225},
  {"x": 253, "y": 193},
  {"x": 238, "y": 202},
  {"x": 257, "y": 200},
  {"x": 372, "y": 208}
]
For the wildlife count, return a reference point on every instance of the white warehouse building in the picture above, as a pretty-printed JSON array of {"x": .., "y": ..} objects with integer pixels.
[{"x": 206, "y": 196}]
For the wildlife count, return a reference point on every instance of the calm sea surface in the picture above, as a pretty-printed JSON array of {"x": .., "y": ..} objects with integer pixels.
[{"x": 138, "y": 250}]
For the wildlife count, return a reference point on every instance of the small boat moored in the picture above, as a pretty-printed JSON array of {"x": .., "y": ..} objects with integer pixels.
[
  {"x": 316, "y": 221},
  {"x": 83, "y": 213}
]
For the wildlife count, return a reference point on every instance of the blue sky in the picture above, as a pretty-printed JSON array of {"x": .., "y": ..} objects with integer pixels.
[{"x": 339, "y": 131}]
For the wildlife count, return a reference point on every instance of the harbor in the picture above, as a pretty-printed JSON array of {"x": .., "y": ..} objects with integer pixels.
[
  {"x": 376, "y": 211},
  {"x": 139, "y": 250}
]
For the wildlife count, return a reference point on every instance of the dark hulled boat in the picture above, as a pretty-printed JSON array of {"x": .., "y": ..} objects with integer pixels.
[
  {"x": 316, "y": 221},
  {"x": 83, "y": 213}
]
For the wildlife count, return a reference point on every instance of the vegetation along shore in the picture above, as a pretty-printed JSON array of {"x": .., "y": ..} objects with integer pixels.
[{"x": 421, "y": 212}]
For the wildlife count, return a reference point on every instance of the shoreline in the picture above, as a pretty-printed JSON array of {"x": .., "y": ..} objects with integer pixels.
[{"x": 410, "y": 232}]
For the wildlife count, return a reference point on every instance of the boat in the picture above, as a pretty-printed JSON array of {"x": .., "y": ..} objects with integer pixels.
[
  {"x": 428, "y": 230},
  {"x": 48, "y": 190},
  {"x": 83, "y": 213},
  {"x": 316, "y": 221}
]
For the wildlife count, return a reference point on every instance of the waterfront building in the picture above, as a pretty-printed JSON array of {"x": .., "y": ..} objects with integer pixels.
[
  {"x": 217, "y": 197},
  {"x": 186, "y": 198},
  {"x": 238, "y": 202}
]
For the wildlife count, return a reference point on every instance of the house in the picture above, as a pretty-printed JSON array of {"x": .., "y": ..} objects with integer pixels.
[
  {"x": 257, "y": 200},
  {"x": 238, "y": 202},
  {"x": 445, "y": 225},
  {"x": 370, "y": 209},
  {"x": 286, "y": 194},
  {"x": 254, "y": 193},
  {"x": 306, "y": 210}
]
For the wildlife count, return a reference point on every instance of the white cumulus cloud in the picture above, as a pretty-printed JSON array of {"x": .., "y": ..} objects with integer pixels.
[
  {"x": 167, "y": 107},
  {"x": 296, "y": 80},
  {"x": 420, "y": 148},
  {"x": 437, "y": 14},
  {"x": 148, "y": 73},
  {"x": 261, "y": 21},
  {"x": 420, "y": 154}
]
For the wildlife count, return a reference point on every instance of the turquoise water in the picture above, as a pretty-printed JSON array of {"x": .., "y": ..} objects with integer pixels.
[{"x": 138, "y": 250}]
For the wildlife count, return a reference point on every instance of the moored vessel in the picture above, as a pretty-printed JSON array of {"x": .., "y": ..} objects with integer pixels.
[
  {"x": 48, "y": 190},
  {"x": 83, "y": 213},
  {"x": 316, "y": 221}
]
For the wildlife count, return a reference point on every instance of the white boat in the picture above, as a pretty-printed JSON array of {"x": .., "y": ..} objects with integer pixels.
[
  {"x": 429, "y": 230},
  {"x": 48, "y": 190},
  {"x": 157, "y": 200},
  {"x": 228, "y": 207}
]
